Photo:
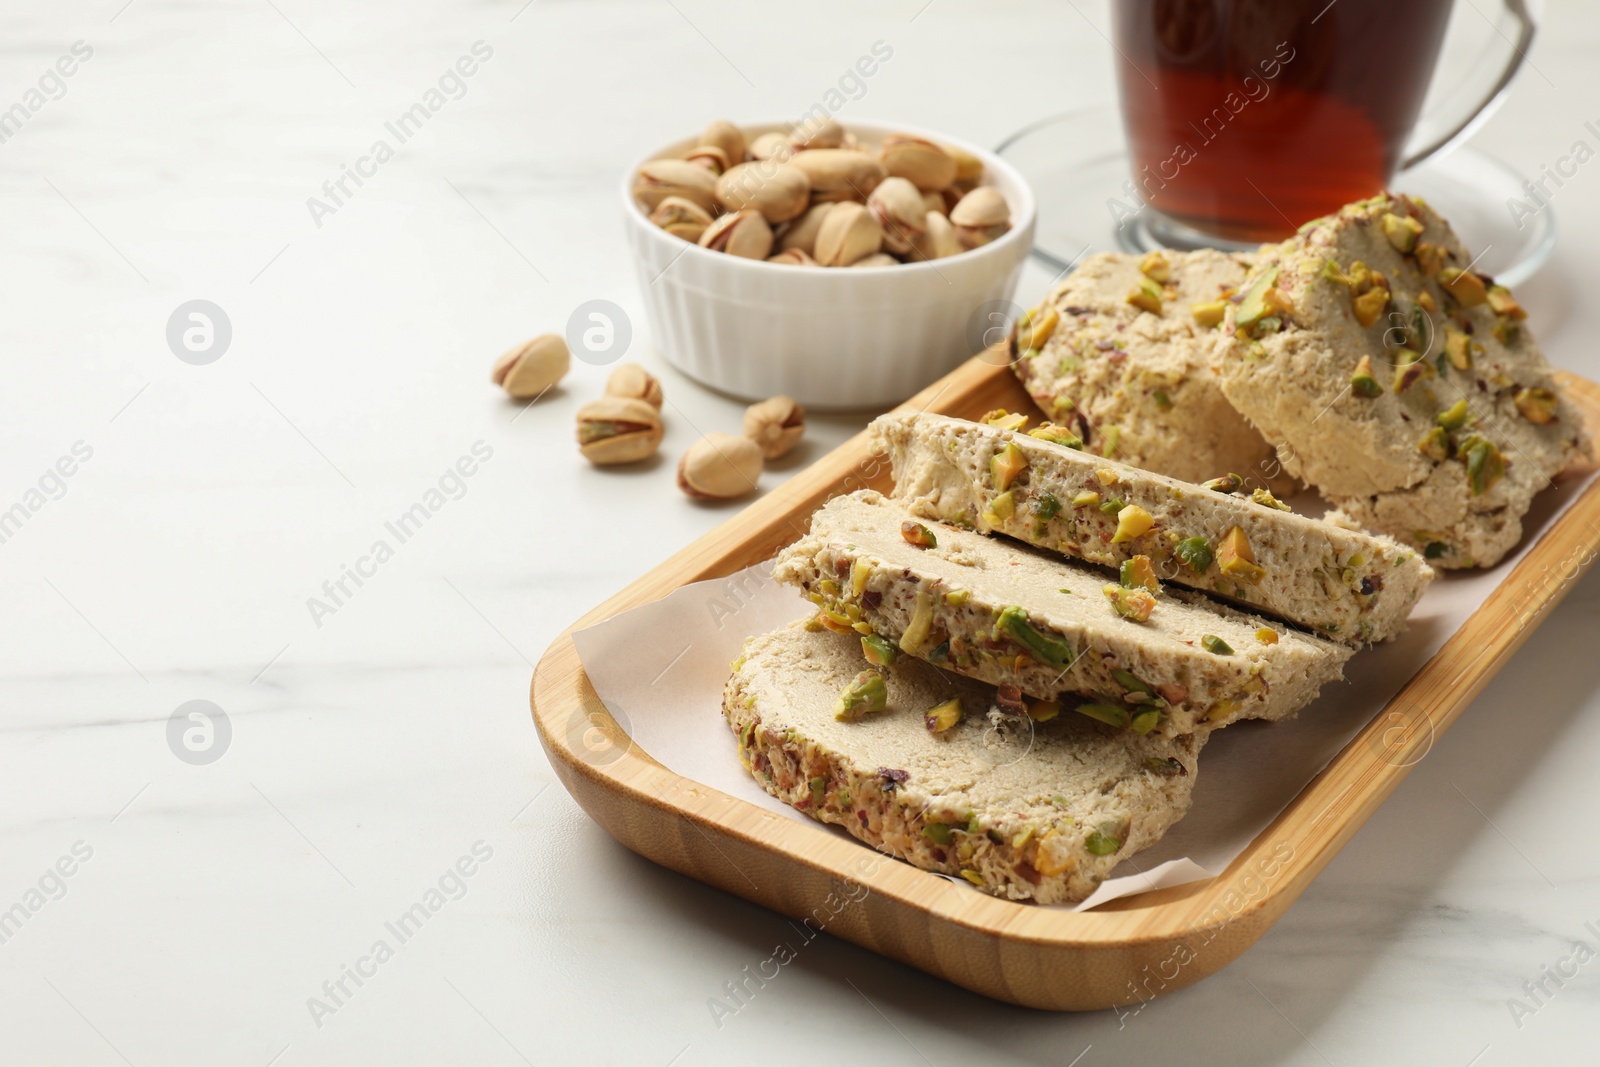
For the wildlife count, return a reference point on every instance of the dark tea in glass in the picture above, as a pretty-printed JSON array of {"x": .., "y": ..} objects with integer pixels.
[{"x": 1246, "y": 118}]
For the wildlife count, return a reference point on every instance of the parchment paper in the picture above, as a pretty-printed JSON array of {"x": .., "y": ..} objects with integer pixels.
[{"x": 660, "y": 669}]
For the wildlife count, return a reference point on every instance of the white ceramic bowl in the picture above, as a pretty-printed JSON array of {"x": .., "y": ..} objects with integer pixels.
[{"x": 839, "y": 338}]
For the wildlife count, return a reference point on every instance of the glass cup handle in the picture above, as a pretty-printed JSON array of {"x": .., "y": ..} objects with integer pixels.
[{"x": 1442, "y": 133}]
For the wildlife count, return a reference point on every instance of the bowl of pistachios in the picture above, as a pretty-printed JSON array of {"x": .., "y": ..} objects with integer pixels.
[{"x": 844, "y": 265}]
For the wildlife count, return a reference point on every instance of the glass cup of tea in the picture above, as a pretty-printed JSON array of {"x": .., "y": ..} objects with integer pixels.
[{"x": 1246, "y": 118}]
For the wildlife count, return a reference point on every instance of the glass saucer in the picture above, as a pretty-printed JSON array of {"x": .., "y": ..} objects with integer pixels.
[{"x": 1077, "y": 164}]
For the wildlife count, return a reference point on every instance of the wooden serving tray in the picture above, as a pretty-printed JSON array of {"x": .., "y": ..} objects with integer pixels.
[{"x": 1128, "y": 950}]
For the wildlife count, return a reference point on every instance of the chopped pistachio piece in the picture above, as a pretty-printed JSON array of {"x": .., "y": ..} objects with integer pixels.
[
  {"x": 1111, "y": 505},
  {"x": 1435, "y": 444},
  {"x": 1132, "y": 521},
  {"x": 1167, "y": 766},
  {"x": 1267, "y": 635},
  {"x": 1057, "y": 435},
  {"x": 1139, "y": 573},
  {"x": 1046, "y": 507},
  {"x": 1430, "y": 258},
  {"x": 942, "y": 717},
  {"x": 1001, "y": 508},
  {"x": 1038, "y": 330},
  {"x": 1370, "y": 304},
  {"x": 917, "y": 534},
  {"x": 1228, "y": 483},
  {"x": 1458, "y": 348},
  {"x": 1132, "y": 683},
  {"x": 1408, "y": 374},
  {"x": 1043, "y": 710},
  {"x": 1101, "y": 843},
  {"x": 1109, "y": 714},
  {"x": 1253, "y": 307},
  {"x": 1147, "y": 296},
  {"x": 1402, "y": 232},
  {"x": 1006, "y": 465},
  {"x": 1134, "y": 604},
  {"x": 1196, "y": 554},
  {"x": 1051, "y": 648},
  {"x": 1216, "y": 645},
  {"x": 1087, "y": 498},
  {"x": 1362, "y": 383},
  {"x": 1537, "y": 405},
  {"x": 1209, "y": 314},
  {"x": 1466, "y": 287},
  {"x": 1265, "y": 498},
  {"x": 866, "y": 694},
  {"x": 1005, "y": 420},
  {"x": 1145, "y": 721},
  {"x": 1501, "y": 302},
  {"x": 1156, "y": 266},
  {"x": 878, "y": 650},
  {"x": 1485, "y": 464},
  {"x": 1236, "y": 559},
  {"x": 1456, "y": 416},
  {"x": 937, "y": 832}
]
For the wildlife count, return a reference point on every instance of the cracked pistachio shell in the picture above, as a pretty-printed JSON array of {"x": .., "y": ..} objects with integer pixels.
[
  {"x": 771, "y": 146},
  {"x": 618, "y": 429},
  {"x": 794, "y": 257},
  {"x": 532, "y": 367},
  {"x": 969, "y": 168},
  {"x": 898, "y": 207},
  {"x": 708, "y": 156},
  {"x": 927, "y": 165},
  {"x": 726, "y": 136},
  {"x": 937, "y": 241},
  {"x": 739, "y": 233},
  {"x": 825, "y": 133},
  {"x": 720, "y": 466},
  {"x": 681, "y": 218},
  {"x": 780, "y": 191},
  {"x": 661, "y": 178},
  {"x": 775, "y": 425},
  {"x": 981, "y": 216},
  {"x": 839, "y": 173},
  {"x": 850, "y": 232},
  {"x": 802, "y": 232},
  {"x": 633, "y": 382}
]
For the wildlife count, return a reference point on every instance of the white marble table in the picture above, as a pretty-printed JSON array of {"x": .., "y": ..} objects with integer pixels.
[{"x": 377, "y": 746}]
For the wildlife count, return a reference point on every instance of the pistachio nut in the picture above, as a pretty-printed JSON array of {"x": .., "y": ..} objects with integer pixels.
[
  {"x": 898, "y": 207},
  {"x": 981, "y": 216},
  {"x": 708, "y": 156},
  {"x": 771, "y": 146},
  {"x": 681, "y": 218},
  {"x": 934, "y": 202},
  {"x": 739, "y": 233},
  {"x": 794, "y": 257},
  {"x": 775, "y": 425},
  {"x": 532, "y": 367},
  {"x": 969, "y": 168},
  {"x": 839, "y": 173},
  {"x": 877, "y": 259},
  {"x": 850, "y": 232},
  {"x": 927, "y": 165},
  {"x": 618, "y": 429},
  {"x": 726, "y": 136},
  {"x": 802, "y": 232},
  {"x": 777, "y": 190},
  {"x": 720, "y": 466},
  {"x": 634, "y": 382},
  {"x": 816, "y": 133},
  {"x": 661, "y": 178},
  {"x": 938, "y": 240}
]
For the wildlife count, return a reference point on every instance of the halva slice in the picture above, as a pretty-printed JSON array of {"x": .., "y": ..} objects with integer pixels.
[
  {"x": 1223, "y": 537},
  {"x": 1122, "y": 352},
  {"x": 1022, "y": 810},
  {"x": 1401, "y": 383},
  {"x": 1123, "y": 651}
]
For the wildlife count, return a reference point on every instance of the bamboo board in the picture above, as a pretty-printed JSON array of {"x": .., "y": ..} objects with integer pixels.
[{"x": 1127, "y": 951}]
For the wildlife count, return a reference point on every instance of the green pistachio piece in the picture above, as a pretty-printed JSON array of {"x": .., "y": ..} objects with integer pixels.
[
  {"x": 1196, "y": 554},
  {"x": 1485, "y": 464},
  {"x": 1132, "y": 682},
  {"x": 1435, "y": 444},
  {"x": 1109, "y": 714},
  {"x": 1166, "y": 767},
  {"x": 1046, "y": 507},
  {"x": 1216, "y": 645},
  {"x": 942, "y": 717},
  {"x": 1102, "y": 842},
  {"x": 1146, "y": 721},
  {"x": 1228, "y": 483},
  {"x": 937, "y": 832},
  {"x": 917, "y": 534},
  {"x": 878, "y": 651},
  {"x": 819, "y": 787},
  {"x": 1253, "y": 308},
  {"x": 1139, "y": 573},
  {"x": 866, "y": 694},
  {"x": 1456, "y": 417},
  {"x": 1050, "y": 648},
  {"x": 1362, "y": 383}
]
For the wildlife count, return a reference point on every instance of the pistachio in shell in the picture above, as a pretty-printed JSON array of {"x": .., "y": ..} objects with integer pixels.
[
  {"x": 794, "y": 257},
  {"x": 532, "y": 367},
  {"x": 708, "y": 156},
  {"x": 900, "y": 211},
  {"x": 850, "y": 232},
  {"x": 839, "y": 173},
  {"x": 771, "y": 146},
  {"x": 877, "y": 259},
  {"x": 927, "y": 165},
  {"x": 981, "y": 216},
  {"x": 618, "y": 429},
  {"x": 780, "y": 191},
  {"x": 802, "y": 232},
  {"x": 681, "y": 218},
  {"x": 720, "y": 466},
  {"x": 661, "y": 178},
  {"x": 816, "y": 133},
  {"x": 726, "y": 136},
  {"x": 739, "y": 233},
  {"x": 775, "y": 425},
  {"x": 633, "y": 382},
  {"x": 969, "y": 168},
  {"x": 937, "y": 241}
]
